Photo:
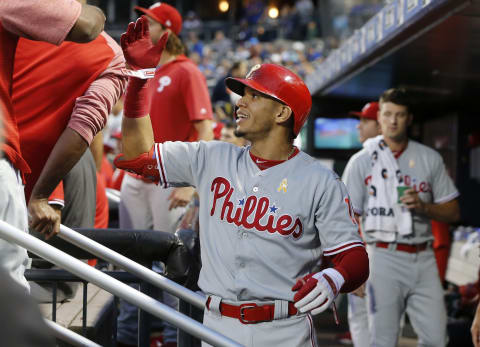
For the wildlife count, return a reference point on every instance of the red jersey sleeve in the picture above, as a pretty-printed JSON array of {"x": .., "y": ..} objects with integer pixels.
[
  {"x": 91, "y": 110},
  {"x": 57, "y": 196},
  {"x": 196, "y": 95}
]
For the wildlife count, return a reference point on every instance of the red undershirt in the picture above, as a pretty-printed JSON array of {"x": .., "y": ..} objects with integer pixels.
[
  {"x": 352, "y": 263},
  {"x": 266, "y": 163},
  {"x": 397, "y": 154}
]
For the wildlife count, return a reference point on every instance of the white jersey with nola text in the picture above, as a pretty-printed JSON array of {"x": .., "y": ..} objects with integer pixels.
[{"x": 421, "y": 168}]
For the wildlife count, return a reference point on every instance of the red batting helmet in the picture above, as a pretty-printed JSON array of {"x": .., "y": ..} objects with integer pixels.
[{"x": 279, "y": 83}]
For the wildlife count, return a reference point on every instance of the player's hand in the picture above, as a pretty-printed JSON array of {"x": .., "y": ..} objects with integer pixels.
[
  {"x": 138, "y": 49},
  {"x": 315, "y": 292},
  {"x": 43, "y": 218},
  {"x": 412, "y": 201},
  {"x": 475, "y": 329},
  {"x": 180, "y": 197},
  {"x": 360, "y": 291},
  {"x": 144, "y": 165}
]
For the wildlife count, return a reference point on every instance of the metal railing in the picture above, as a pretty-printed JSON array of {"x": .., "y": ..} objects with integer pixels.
[
  {"x": 86, "y": 272},
  {"x": 69, "y": 336},
  {"x": 54, "y": 276},
  {"x": 130, "y": 266}
]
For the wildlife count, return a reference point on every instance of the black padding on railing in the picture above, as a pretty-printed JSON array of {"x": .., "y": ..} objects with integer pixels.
[{"x": 142, "y": 246}]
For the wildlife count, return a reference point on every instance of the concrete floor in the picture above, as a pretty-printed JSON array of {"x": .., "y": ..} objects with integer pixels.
[{"x": 327, "y": 331}]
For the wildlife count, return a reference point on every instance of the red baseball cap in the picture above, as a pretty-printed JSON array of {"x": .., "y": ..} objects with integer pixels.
[
  {"x": 369, "y": 111},
  {"x": 164, "y": 14}
]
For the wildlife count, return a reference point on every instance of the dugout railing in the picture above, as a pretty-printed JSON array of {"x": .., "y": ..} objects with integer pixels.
[
  {"x": 112, "y": 285},
  {"x": 69, "y": 336},
  {"x": 141, "y": 245}
]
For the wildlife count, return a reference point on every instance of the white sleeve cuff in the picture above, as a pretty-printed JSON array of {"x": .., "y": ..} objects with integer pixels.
[
  {"x": 57, "y": 202},
  {"x": 336, "y": 277}
]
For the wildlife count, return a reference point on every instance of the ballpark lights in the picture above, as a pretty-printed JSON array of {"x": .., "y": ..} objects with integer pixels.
[
  {"x": 223, "y": 6},
  {"x": 273, "y": 12}
]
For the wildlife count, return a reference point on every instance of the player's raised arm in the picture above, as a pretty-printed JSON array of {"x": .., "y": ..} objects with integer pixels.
[
  {"x": 140, "y": 53},
  {"x": 137, "y": 134}
]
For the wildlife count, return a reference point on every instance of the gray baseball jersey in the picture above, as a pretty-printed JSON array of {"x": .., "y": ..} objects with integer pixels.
[
  {"x": 259, "y": 230},
  {"x": 422, "y": 168}
]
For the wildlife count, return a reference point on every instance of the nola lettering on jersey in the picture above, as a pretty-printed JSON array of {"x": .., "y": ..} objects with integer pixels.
[
  {"x": 380, "y": 211},
  {"x": 254, "y": 206}
]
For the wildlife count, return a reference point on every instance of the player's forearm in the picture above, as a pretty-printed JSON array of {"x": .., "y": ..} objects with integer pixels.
[
  {"x": 66, "y": 153},
  {"x": 137, "y": 132},
  {"x": 88, "y": 26},
  {"x": 448, "y": 212},
  {"x": 96, "y": 147},
  {"x": 137, "y": 136}
]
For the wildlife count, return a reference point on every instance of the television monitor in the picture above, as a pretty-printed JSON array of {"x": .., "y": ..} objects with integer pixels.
[{"x": 336, "y": 133}]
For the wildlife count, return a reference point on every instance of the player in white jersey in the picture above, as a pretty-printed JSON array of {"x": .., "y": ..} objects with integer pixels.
[
  {"x": 397, "y": 229},
  {"x": 267, "y": 212}
]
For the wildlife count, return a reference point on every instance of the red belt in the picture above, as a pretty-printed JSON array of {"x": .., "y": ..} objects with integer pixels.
[
  {"x": 251, "y": 313},
  {"x": 403, "y": 247}
]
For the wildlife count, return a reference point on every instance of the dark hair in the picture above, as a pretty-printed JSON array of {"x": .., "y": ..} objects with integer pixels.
[
  {"x": 236, "y": 65},
  {"x": 174, "y": 44},
  {"x": 397, "y": 96}
]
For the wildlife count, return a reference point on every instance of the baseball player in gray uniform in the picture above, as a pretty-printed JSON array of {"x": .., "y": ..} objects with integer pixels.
[
  {"x": 267, "y": 212},
  {"x": 397, "y": 228}
]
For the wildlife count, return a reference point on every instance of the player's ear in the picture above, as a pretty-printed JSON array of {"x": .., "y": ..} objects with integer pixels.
[{"x": 284, "y": 113}]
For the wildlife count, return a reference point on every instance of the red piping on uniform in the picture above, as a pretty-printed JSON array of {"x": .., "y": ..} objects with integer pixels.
[
  {"x": 161, "y": 166},
  {"x": 326, "y": 253}
]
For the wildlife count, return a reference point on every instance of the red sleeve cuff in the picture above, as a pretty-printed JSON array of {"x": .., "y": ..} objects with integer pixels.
[{"x": 353, "y": 266}]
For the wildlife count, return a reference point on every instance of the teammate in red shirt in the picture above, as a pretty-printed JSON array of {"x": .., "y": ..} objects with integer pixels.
[
  {"x": 187, "y": 115},
  {"x": 53, "y": 110},
  {"x": 67, "y": 20}
]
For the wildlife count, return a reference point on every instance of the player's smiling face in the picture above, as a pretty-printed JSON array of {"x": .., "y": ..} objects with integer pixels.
[{"x": 255, "y": 116}]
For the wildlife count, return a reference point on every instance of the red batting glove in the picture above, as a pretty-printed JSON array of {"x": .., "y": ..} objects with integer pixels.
[
  {"x": 144, "y": 165},
  {"x": 315, "y": 291},
  {"x": 138, "y": 49}
]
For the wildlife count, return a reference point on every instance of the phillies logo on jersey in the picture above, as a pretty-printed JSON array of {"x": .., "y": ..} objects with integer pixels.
[
  {"x": 163, "y": 82},
  {"x": 250, "y": 211}
]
